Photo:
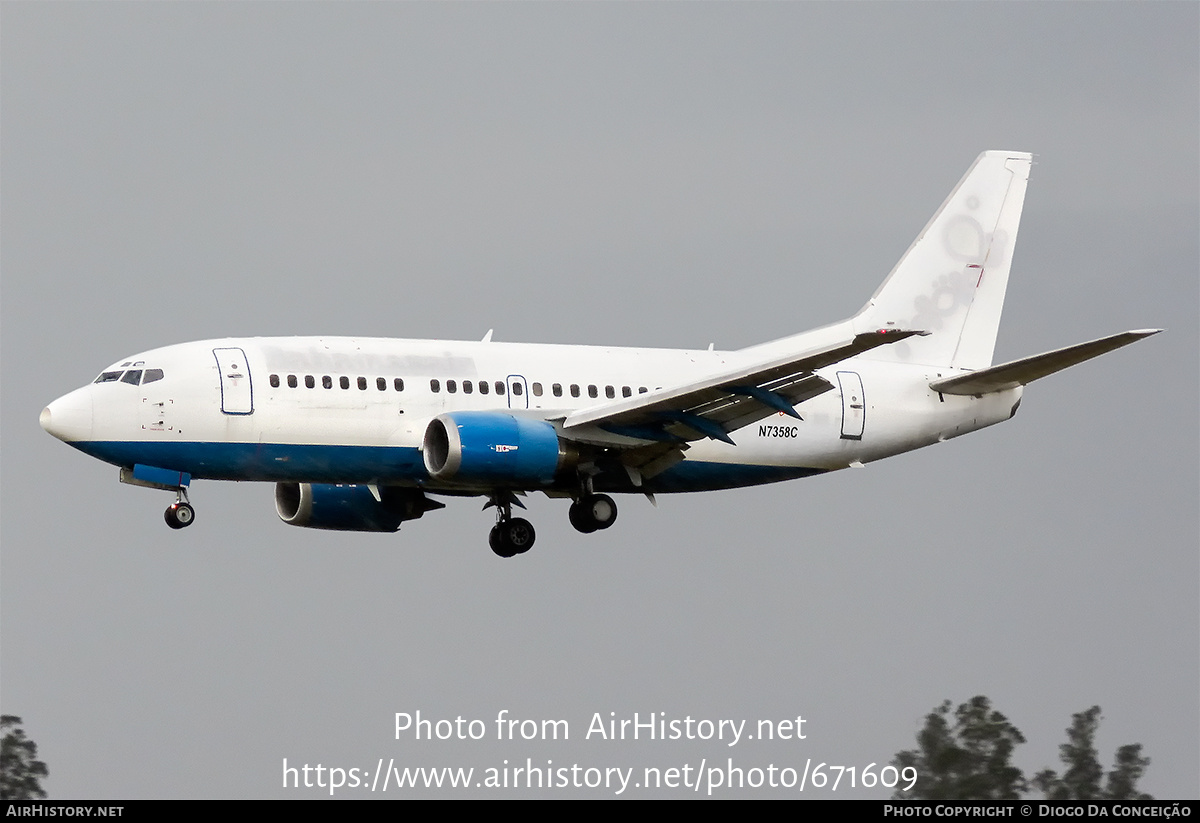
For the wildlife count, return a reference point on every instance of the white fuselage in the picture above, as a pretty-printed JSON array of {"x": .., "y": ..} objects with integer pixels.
[{"x": 351, "y": 410}]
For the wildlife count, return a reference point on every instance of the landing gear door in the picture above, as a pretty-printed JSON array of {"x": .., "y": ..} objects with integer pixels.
[
  {"x": 237, "y": 391},
  {"x": 518, "y": 392},
  {"x": 854, "y": 405}
]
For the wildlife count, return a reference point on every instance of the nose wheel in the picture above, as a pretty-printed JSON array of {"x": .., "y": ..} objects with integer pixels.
[{"x": 180, "y": 514}]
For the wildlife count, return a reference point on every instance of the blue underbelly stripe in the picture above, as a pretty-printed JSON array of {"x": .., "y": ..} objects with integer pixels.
[
  {"x": 697, "y": 476},
  {"x": 267, "y": 461},
  {"x": 276, "y": 462}
]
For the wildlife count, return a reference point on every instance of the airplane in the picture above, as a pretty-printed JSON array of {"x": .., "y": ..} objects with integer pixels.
[{"x": 364, "y": 434}]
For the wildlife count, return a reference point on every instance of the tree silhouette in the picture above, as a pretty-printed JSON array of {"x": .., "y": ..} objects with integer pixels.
[
  {"x": 20, "y": 770},
  {"x": 971, "y": 759},
  {"x": 1081, "y": 780},
  {"x": 1128, "y": 769}
]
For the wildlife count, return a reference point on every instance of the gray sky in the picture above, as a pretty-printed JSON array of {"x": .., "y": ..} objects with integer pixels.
[{"x": 660, "y": 175}]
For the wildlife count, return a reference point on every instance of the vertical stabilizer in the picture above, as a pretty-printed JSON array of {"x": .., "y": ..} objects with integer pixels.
[{"x": 952, "y": 279}]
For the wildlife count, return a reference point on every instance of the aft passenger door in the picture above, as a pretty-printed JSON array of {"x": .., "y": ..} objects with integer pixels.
[
  {"x": 854, "y": 405},
  {"x": 237, "y": 390}
]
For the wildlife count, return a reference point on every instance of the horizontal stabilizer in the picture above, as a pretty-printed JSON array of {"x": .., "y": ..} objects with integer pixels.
[{"x": 1027, "y": 369}]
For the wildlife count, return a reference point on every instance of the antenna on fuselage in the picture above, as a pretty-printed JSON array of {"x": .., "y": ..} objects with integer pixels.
[{"x": 487, "y": 338}]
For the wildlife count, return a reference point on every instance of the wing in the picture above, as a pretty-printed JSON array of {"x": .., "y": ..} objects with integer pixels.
[{"x": 654, "y": 428}]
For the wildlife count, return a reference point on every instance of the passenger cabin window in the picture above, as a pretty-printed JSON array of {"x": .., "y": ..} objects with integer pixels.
[
  {"x": 610, "y": 392},
  {"x": 451, "y": 386},
  {"x": 517, "y": 389},
  {"x": 556, "y": 389},
  {"x": 537, "y": 389},
  {"x": 499, "y": 387},
  {"x": 626, "y": 391},
  {"x": 483, "y": 387},
  {"x": 435, "y": 385},
  {"x": 362, "y": 384},
  {"x": 327, "y": 382},
  {"x": 593, "y": 391},
  {"x": 574, "y": 389},
  {"x": 344, "y": 382},
  {"x": 309, "y": 381},
  {"x": 381, "y": 384},
  {"x": 291, "y": 381},
  {"x": 274, "y": 381},
  {"x": 399, "y": 384},
  {"x": 642, "y": 389},
  {"x": 468, "y": 387}
]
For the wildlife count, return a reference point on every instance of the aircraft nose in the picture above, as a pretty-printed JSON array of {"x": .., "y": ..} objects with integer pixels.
[{"x": 69, "y": 418}]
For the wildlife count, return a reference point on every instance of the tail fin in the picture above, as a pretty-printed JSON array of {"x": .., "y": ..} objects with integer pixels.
[{"x": 952, "y": 279}]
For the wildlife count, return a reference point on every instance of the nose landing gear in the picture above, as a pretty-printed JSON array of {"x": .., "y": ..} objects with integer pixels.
[{"x": 180, "y": 514}]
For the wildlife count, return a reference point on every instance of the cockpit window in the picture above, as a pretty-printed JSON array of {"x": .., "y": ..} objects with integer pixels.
[{"x": 133, "y": 377}]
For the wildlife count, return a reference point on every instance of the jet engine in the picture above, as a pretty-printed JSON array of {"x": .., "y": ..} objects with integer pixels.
[
  {"x": 349, "y": 507},
  {"x": 494, "y": 448}
]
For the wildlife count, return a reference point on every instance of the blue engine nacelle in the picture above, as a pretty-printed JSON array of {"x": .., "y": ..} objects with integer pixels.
[
  {"x": 349, "y": 507},
  {"x": 494, "y": 448}
]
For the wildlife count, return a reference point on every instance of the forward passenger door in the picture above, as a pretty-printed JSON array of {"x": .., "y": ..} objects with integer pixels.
[{"x": 237, "y": 390}]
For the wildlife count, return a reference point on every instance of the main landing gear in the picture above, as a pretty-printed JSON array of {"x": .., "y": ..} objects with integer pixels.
[
  {"x": 511, "y": 535},
  {"x": 180, "y": 514},
  {"x": 592, "y": 512},
  {"x": 515, "y": 535}
]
